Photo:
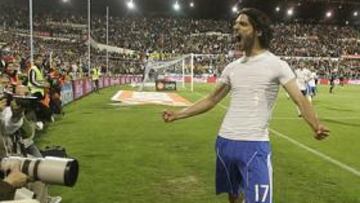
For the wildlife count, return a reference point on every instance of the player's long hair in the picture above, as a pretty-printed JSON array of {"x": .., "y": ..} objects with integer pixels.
[{"x": 261, "y": 23}]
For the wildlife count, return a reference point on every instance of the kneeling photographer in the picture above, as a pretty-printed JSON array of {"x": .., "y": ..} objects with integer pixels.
[
  {"x": 11, "y": 121},
  {"x": 16, "y": 146},
  {"x": 17, "y": 131}
]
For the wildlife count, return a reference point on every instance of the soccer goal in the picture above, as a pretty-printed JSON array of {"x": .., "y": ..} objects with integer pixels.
[{"x": 179, "y": 71}]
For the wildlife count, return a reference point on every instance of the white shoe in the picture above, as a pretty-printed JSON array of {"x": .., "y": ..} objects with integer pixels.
[
  {"x": 56, "y": 199},
  {"x": 39, "y": 125}
]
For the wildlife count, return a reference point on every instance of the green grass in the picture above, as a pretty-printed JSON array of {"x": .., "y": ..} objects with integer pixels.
[{"x": 127, "y": 154}]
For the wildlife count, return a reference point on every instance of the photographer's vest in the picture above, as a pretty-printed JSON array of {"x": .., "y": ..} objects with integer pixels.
[
  {"x": 96, "y": 74},
  {"x": 39, "y": 78}
]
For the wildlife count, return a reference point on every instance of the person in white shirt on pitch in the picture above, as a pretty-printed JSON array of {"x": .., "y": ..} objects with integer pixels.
[
  {"x": 302, "y": 78},
  {"x": 243, "y": 165},
  {"x": 312, "y": 83}
]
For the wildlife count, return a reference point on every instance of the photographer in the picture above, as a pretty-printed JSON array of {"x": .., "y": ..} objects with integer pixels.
[
  {"x": 11, "y": 117},
  {"x": 26, "y": 132},
  {"x": 12, "y": 142},
  {"x": 10, "y": 123}
]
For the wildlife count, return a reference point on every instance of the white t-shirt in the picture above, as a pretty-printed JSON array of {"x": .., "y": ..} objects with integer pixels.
[
  {"x": 254, "y": 83},
  {"x": 311, "y": 82},
  {"x": 302, "y": 77}
]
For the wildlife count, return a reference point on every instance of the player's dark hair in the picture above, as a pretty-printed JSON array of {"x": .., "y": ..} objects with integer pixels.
[{"x": 261, "y": 23}]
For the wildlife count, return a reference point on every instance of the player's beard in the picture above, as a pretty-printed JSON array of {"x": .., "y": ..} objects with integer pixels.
[{"x": 247, "y": 43}]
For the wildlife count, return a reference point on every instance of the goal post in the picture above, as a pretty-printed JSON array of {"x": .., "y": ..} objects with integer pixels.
[{"x": 179, "y": 70}]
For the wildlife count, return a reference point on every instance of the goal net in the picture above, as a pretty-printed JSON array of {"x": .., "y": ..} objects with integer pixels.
[{"x": 179, "y": 71}]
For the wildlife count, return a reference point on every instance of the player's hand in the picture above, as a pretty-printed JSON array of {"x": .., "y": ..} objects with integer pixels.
[
  {"x": 16, "y": 178},
  {"x": 321, "y": 132},
  {"x": 168, "y": 116}
]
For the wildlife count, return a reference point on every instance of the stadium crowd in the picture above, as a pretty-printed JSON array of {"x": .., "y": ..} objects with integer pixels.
[
  {"x": 168, "y": 36},
  {"x": 184, "y": 35}
]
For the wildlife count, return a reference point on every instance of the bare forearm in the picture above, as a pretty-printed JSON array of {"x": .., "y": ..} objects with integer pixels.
[
  {"x": 308, "y": 113},
  {"x": 200, "y": 107},
  {"x": 307, "y": 110}
]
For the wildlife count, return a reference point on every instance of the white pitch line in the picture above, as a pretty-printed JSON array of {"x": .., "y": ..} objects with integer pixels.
[
  {"x": 331, "y": 118},
  {"x": 317, "y": 153},
  {"x": 313, "y": 151}
]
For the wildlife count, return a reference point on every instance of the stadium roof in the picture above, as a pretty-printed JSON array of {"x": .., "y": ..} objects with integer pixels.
[{"x": 308, "y": 10}]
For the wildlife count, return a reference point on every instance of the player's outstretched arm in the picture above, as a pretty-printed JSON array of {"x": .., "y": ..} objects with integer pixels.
[
  {"x": 200, "y": 106},
  {"x": 307, "y": 110}
]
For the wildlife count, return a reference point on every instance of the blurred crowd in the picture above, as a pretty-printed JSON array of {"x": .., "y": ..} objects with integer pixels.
[
  {"x": 63, "y": 35},
  {"x": 315, "y": 40},
  {"x": 325, "y": 67}
]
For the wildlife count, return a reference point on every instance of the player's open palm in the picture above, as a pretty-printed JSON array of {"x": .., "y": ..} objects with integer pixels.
[
  {"x": 168, "y": 116},
  {"x": 322, "y": 132}
]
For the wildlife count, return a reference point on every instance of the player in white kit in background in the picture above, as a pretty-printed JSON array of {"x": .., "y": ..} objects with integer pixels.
[
  {"x": 243, "y": 152},
  {"x": 303, "y": 76},
  {"x": 312, "y": 83}
]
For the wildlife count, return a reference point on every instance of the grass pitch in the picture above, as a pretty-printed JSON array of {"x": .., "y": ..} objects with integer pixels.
[{"x": 128, "y": 154}]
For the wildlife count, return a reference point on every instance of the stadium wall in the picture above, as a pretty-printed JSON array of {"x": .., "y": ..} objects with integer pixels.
[
  {"x": 337, "y": 81},
  {"x": 77, "y": 89}
]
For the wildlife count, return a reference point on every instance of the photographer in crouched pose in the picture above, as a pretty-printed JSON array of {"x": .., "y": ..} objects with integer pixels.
[
  {"x": 10, "y": 121},
  {"x": 16, "y": 134}
]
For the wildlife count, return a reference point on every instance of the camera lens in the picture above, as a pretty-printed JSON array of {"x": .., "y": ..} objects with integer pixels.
[{"x": 71, "y": 173}]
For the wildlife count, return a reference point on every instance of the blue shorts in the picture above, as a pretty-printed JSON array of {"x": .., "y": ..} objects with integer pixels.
[{"x": 244, "y": 167}]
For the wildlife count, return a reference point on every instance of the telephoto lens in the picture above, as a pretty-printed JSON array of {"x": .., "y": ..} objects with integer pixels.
[{"x": 50, "y": 170}]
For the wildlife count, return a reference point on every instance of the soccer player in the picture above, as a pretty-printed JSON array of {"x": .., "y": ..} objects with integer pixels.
[
  {"x": 302, "y": 78},
  {"x": 243, "y": 165},
  {"x": 312, "y": 83}
]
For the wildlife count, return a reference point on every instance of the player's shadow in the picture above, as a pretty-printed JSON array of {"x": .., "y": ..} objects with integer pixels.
[{"x": 341, "y": 122}]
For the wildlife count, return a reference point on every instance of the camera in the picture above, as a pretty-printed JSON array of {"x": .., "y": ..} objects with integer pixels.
[
  {"x": 24, "y": 101},
  {"x": 50, "y": 170}
]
